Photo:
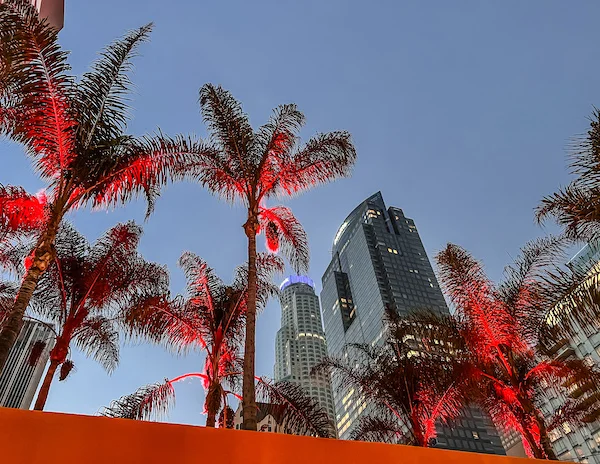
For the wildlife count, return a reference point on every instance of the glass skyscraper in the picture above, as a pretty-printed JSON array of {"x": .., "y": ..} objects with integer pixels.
[
  {"x": 378, "y": 260},
  {"x": 300, "y": 343}
]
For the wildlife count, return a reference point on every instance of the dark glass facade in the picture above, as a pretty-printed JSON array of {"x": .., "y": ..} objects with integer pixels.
[{"x": 378, "y": 260}]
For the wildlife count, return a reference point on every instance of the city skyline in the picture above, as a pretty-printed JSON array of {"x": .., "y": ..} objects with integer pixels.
[{"x": 481, "y": 99}]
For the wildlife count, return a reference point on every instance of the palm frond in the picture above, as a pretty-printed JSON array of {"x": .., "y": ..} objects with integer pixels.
[
  {"x": 38, "y": 102},
  {"x": 131, "y": 166},
  {"x": 20, "y": 212},
  {"x": 285, "y": 232},
  {"x": 324, "y": 158},
  {"x": 150, "y": 401},
  {"x": 277, "y": 138},
  {"x": 380, "y": 429},
  {"x": 100, "y": 96},
  {"x": 298, "y": 413},
  {"x": 230, "y": 128},
  {"x": 169, "y": 323},
  {"x": 97, "y": 337},
  {"x": 574, "y": 207}
]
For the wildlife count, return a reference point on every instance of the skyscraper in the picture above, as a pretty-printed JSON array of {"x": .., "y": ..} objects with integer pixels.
[
  {"x": 19, "y": 380},
  {"x": 300, "y": 343},
  {"x": 378, "y": 260}
]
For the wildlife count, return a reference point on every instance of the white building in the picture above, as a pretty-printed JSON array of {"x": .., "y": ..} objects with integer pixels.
[
  {"x": 267, "y": 419},
  {"x": 300, "y": 343},
  {"x": 19, "y": 380}
]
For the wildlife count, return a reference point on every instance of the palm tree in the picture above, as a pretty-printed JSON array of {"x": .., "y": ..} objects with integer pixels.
[
  {"x": 209, "y": 318},
  {"x": 505, "y": 336},
  {"x": 577, "y": 206},
  {"x": 407, "y": 386},
  {"x": 85, "y": 294},
  {"x": 74, "y": 131},
  {"x": 252, "y": 167}
]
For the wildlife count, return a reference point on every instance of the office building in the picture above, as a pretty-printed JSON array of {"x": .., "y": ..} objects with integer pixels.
[
  {"x": 300, "y": 343},
  {"x": 580, "y": 444},
  {"x": 19, "y": 380},
  {"x": 378, "y": 260}
]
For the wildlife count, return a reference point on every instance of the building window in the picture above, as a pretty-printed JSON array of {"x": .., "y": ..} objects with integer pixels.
[{"x": 476, "y": 435}]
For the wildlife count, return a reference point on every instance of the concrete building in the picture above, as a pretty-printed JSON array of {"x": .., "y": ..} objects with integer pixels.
[
  {"x": 300, "y": 343},
  {"x": 378, "y": 260},
  {"x": 52, "y": 10},
  {"x": 19, "y": 380}
]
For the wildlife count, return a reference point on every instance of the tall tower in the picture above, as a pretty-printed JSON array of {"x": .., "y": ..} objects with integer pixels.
[
  {"x": 19, "y": 380},
  {"x": 378, "y": 260},
  {"x": 300, "y": 343}
]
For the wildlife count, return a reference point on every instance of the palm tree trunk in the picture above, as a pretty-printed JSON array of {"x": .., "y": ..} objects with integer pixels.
[
  {"x": 13, "y": 322},
  {"x": 544, "y": 439},
  {"x": 40, "y": 401},
  {"x": 248, "y": 388}
]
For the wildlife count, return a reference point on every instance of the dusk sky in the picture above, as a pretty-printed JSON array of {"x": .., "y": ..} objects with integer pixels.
[{"x": 461, "y": 112}]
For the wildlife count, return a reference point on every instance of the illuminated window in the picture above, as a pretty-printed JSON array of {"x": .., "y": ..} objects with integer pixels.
[{"x": 475, "y": 435}]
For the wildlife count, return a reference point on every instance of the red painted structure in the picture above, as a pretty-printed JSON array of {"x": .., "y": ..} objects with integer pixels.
[{"x": 31, "y": 437}]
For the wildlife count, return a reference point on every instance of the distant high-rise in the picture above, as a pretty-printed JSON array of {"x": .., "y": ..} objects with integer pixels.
[
  {"x": 300, "y": 343},
  {"x": 379, "y": 261},
  {"x": 19, "y": 380}
]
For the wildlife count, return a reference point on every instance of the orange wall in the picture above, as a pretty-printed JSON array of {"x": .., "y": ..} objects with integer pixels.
[{"x": 31, "y": 437}]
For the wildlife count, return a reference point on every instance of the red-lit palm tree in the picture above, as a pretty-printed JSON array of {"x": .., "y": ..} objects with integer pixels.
[
  {"x": 509, "y": 336},
  {"x": 408, "y": 386},
  {"x": 251, "y": 167},
  {"x": 74, "y": 131},
  {"x": 577, "y": 206},
  {"x": 209, "y": 318},
  {"x": 85, "y": 294}
]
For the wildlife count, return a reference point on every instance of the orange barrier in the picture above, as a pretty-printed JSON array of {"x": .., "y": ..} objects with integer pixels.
[{"x": 31, "y": 437}]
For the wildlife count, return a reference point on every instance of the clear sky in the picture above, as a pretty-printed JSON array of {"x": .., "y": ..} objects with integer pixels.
[{"x": 461, "y": 113}]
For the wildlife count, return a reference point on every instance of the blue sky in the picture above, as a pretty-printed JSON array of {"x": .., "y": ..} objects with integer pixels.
[{"x": 461, "y": 113}]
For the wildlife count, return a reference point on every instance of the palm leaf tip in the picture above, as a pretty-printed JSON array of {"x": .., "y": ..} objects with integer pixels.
[{"x": 147, "y": 402}]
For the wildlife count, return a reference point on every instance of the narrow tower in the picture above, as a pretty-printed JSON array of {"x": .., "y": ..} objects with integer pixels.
[{"x": 300, "y": 343}]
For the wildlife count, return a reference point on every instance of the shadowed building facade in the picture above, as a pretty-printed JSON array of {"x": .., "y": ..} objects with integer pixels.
[{"x": 379, "y": 261}]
